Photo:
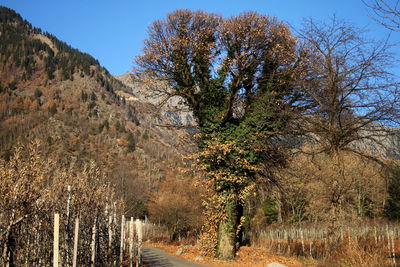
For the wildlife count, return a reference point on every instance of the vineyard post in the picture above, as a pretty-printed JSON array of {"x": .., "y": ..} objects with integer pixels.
[
  {"x": 393, "y": 251},
  {"x": 110, "y": 236},
  {"x": 38, "y": 241},
  {"x": 68, "y": 225},
  {"x": 56, "y": 239},
  {"x": 121, "y": 251},
  {"x": 93, "y": 245},
  {"x": 279, "y": 242},
  {"x": 388, "y": 239},
  {"x": 115, "y": 251},
  {"x": 131, "y": 242},
  {"x": 139, "y": 231},
  {"x": 76, "y": 235},
  {"x": 270, "y": 238},
  {"x": 285, "y": 238}
]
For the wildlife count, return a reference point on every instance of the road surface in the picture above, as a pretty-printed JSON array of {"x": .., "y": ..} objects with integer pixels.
[{"x": 154, "y": 257}]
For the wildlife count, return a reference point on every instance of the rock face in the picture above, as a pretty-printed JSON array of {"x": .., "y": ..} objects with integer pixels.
[
  {"x": 171, "y": 109},
  {"x": 387, "y": 146}
]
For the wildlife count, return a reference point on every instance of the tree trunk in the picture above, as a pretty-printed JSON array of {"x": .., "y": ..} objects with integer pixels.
[{"x": 228, "y": 228}]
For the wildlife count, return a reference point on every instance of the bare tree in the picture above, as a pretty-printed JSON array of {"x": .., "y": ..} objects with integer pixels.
[
  {"x": 385, "y": 12},
  {"x": 320, "y": 188},
  {"x": 351, "y": 94}
]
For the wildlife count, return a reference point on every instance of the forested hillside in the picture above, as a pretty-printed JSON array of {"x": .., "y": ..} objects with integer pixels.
[{"x": 79, "y": 113}]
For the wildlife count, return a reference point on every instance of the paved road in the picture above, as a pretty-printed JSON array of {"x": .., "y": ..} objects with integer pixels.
[{"x": 154, "y": 257}]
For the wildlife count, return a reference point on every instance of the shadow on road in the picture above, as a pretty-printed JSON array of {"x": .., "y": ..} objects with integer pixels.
[{"x": 153, "y": 258}]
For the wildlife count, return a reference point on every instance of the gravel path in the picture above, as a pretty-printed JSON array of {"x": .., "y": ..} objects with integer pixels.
[{"x": 154, "y": 257}]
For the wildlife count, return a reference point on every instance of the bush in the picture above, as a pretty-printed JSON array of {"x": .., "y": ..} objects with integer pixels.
[
  {"x": 270, "y": 211},
  {"x": 53, "y": 109},
  {"x": 38, "y": 93},
  {"x": 131, "y": 143},
  {"x": 177, "y": 205}
]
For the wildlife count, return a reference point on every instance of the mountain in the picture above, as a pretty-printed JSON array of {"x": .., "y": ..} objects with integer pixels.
[{"x": 80, "y": 113}]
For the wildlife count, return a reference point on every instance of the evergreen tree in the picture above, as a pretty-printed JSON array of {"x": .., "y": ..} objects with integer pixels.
[
  {"x": 131, "y": 142},
  {"x": 392, "y": 207}
]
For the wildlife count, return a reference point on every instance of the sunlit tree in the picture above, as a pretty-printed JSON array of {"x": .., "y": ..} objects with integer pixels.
[{"x": 236, "y": 75}]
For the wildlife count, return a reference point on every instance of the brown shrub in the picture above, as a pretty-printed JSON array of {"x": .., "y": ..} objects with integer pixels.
[{"x": 177, "y": 205}]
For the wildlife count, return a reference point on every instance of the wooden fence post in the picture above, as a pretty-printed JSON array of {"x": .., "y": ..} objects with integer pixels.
[
  {"x": 76, "y": 235},
  {"x": 67, "y": 226},
  {"x": 115, "y": 234},
  {"x": 131, "y": 242},
  {"x": 93, "y": 245},
  {"x": 139, "y": 231},
  {"x": 56, "y": 239},
  {"x": 393, "y": 250},
  {"x": 121, "y": 251}
]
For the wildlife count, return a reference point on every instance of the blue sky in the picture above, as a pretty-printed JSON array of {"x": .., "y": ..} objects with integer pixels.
[{"x": 113, "y": 31}]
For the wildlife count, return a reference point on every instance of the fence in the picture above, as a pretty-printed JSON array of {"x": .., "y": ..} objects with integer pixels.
[
  {"x": 86, "y": 231},
  {"x": 131, "y": 236},
  {"x": 321, "y": 241}
]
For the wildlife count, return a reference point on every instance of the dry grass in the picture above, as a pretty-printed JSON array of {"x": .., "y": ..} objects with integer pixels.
[
  {"x": 359, "y": 254},
  {"x": 367, "y": 244}
]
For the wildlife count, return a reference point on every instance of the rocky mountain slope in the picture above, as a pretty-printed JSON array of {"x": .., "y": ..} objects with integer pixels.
[
  {"x": 54, "y": 93},
  {"x": 172, "y": 110}
]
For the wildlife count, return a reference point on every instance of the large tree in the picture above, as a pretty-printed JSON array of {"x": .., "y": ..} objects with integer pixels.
[{"x": 236, "y": 75}]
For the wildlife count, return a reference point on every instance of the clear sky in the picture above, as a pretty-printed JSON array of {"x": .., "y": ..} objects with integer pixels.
[{"x": 113, "y": 30}]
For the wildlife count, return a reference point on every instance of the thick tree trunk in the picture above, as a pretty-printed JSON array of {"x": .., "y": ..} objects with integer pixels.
[{"x": 227, "y": 232}]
